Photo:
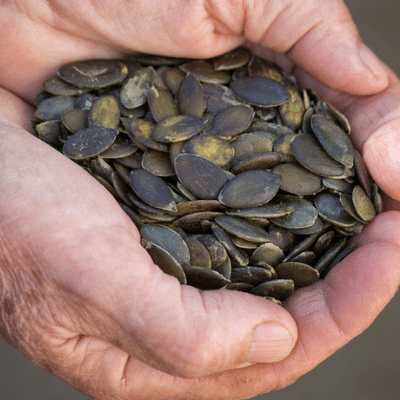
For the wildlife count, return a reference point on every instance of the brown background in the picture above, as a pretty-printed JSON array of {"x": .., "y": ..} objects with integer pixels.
[{"x": 368, "y": 368}]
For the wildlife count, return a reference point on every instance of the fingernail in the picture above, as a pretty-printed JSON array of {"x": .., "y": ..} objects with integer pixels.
[
  {"x": 271, "y": 343},
  {"x": 374, "y": 64}
]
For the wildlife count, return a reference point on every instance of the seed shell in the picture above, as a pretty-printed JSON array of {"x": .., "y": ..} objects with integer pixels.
[
  {"x": 250, "y": 189},
  {"x": 200, "y": 176},
  {"x": 152, "y": 190},
  {"x": 93, "y": 74},
  {"x": 89, "y": 142},
  {"x": 260, "y": 91}
]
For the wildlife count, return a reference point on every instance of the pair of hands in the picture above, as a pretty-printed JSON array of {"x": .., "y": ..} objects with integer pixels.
[{"x": 79, "y": 295}]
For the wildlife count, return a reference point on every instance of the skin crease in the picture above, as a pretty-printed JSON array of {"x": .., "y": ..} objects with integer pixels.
[{"x": 70, "y": 296}]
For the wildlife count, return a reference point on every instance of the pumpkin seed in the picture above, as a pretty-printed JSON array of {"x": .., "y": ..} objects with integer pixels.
[
  {"x": 152, "y": 190},
  {"x": 178, "y": 128},
  {"x": 232, "y": 120},
  {"x": 93, "y": 74},
  {"x": 250, "y": 189},
  {"x": 200, "y": 176},
  {"x": 260, "y": 91},
  {"x": 166, "y": 261},
  {"x": 89, "y": 142},
  {"x": 301, "y": 274}
]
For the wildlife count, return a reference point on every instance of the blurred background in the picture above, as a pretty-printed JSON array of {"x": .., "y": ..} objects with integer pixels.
[{"x": 365, "y": 369}]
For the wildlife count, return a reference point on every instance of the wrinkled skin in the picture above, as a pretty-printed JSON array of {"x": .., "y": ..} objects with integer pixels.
[{"x": 78, "y": 294}]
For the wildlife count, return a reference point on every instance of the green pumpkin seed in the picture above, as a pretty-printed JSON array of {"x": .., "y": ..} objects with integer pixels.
[
  {"x": 178, "y": 128},
  {"x": 279, "y": 289},
  {"x": 93, "y": 74},
  {"x": 89, "y": 142},
  {"x": 312, "y": 157},
  {"x": 214, "y": 148},
  {"x": 232, "y": 120},
  {"x": 242, "y": 228},
  {"x": 334, "y": 141},
  {"x": 260, "y": 91},
  {"x": 190, "y": 97},
  {"x": 250, "y": 189},
  {"x": 204, "y": 278},
  {"x": 301, "y": 274},
  {"x": 152, "y": 190},
  {"x": 166, "y": 262},
  {"x": 200, "y": 176},
  {"x": 298, "y": 180}
]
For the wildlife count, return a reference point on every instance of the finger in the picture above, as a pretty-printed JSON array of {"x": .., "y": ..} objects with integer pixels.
[
  {"x": 90, "y": 249},
  {"x": 321, "y": 38}
]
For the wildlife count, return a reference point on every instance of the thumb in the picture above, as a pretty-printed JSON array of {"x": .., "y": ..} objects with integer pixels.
[
  {"x": 178, "y": 329},
  {"x": 322, "y": 39}
]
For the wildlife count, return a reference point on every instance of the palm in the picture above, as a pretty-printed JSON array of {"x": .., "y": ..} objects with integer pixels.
[{"x": 79, "y": 249}]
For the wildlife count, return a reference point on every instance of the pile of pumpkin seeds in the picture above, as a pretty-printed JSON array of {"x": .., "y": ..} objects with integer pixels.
[{"x": 235, "y": 176}]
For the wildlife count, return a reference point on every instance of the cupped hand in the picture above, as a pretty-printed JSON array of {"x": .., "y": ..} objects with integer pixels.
[{"x": 79, "y": 295}]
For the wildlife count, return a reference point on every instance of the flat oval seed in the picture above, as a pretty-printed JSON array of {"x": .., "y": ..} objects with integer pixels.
[
  {"x": 178, "y": 128},
  {"x": 260, "y": 91},
  {"x": 252, "y": 275},
  {"x": 232, "y": 120},
  {"x": 298, "y": 180},
  {"x": 49, "y": 132},
  {"x": 268, "y": 253},
  {"x": 215, "y": 248},
  {"x": 105, "y": 112},
  {"x": 260, "y": 67},
  {"x": 259, "y": 161},
  {"x": 158, "y": 163},
  {"x": 302, "y": 274},
  {"x": 134, "y": 91},
  {"x": 121, "y": 147},
  {"x": 214, "y": 148},
  {"x": 362, "y": 172},
  {"x": 239, "y": 257},
  {"x": 168, "y": 239},
  {"x": 331, "y": 209},
  {"x": 333, "y": 139},
  {"x": 236, "y": 58},
  {"x": 248, "y": 145},
  {"x": 58, "y": 87},
  {"x": 195, "y": 206},
  {"x": 293, "y": 110},
  {"x": 166, "y": 262},
  {"x": 152, "y": 190},
  {"x": 219, "y": 97},
  {"x": 94, "y": 74},
  {"x": 54, "y": 107},
  {"x": 279, "y": 289},
  {"x": 75, "y": 120},
  {"x": 242, "y": 228},
  {"x": 204, "y": 71},
  {"x": 200, "y": 176},
  {"x": 311, "y": 156},
  {"x": 363, "y": 204},
  {"x": 304, "y": 215},
  {"x": 250, "y": 189},
  {"x": 191, "y": 98},
  {"x": 161, "y": 103},
  {"x": 194, "y": 222},
  {"x": 199, "y": 255},
  {"x": 204, "y": 278},
  {"x": 89, "y": 142},
  {"x": 267, "y": 211},
  {"x": 140, "y": 132}
]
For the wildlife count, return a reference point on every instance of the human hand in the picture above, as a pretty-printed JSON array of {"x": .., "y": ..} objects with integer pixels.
[{"x": 73, "y": 300}]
